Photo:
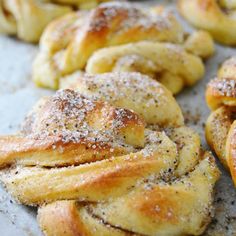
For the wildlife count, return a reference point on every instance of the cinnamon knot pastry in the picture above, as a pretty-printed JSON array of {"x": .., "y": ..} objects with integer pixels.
[
  {"x": 102, "y": 169},
  {"x": 216, "y": 17},
  {"x": 122, "y": 37},
  {"x": 27, "y": 18},
  {"x": 221, "y": 125}
]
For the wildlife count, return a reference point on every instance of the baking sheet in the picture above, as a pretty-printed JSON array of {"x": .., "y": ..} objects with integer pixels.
[{"x": 18, "y": 94}]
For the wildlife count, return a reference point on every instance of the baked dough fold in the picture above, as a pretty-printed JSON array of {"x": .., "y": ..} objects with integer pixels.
[{"x": 216, "y": 17}]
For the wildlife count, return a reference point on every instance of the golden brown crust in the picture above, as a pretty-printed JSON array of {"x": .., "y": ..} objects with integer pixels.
[
  {"x": 216, "y": 17},
  {"x": 221, "y": 98},
  {"x": 35, "y": 151}
]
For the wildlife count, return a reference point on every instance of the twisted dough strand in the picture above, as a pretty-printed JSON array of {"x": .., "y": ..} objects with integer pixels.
[{"x": 168, "y": 63}]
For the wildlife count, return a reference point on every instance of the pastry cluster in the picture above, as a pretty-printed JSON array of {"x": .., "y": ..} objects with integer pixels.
[
  {"x": 122, "y": 37},
  {"x": 27, "y": 19},
  {"x": 221, "y": 125},
  {"x": 109, "y": 152},
  {"x": 95, "y": 167}
]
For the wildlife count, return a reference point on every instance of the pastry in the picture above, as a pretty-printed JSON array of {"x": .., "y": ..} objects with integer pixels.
[
  {"x": 216, "y": 17},
  {"x": 221, "y": 124},
  {"x": 95, "y": 167},
  {"x": 27, "y": 19},
  {"x": 122, "y": 37}
]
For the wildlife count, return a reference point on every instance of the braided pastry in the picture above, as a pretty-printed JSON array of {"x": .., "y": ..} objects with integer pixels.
[
  {"x": 221, "y": 125},
  {"x": 122, "y": 37},
  {"x": 216, "y": 17},
  {"x": 110, "y": 171},
  {"x": 28, "y": 18}
]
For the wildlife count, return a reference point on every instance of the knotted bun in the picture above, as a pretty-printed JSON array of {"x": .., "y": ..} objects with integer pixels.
[
  {"x": 103, "y": 169},
  {"x": 221, "y": 125},
  {"x": 122, "y": 37}
]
